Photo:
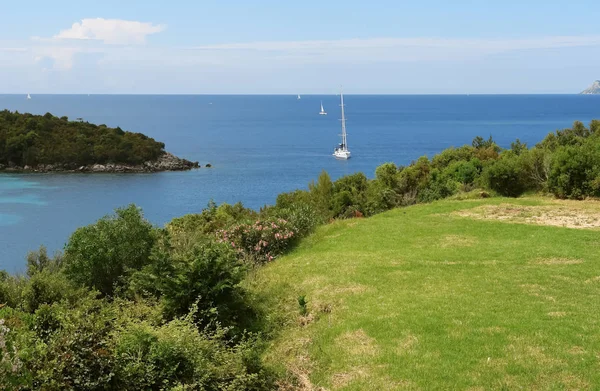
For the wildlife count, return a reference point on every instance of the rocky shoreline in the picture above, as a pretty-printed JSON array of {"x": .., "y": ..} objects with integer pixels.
[{"x": 166, "y": 162}]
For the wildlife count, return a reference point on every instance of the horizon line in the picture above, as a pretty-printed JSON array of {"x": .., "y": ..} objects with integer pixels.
[{"x": 288, "y": 94}]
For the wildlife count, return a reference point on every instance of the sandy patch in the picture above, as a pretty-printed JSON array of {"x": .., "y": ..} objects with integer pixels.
[
  {"x": 558, "y": 215},
  {"x": 357, "y": 343},
  {"x": 592, "y": 280}
]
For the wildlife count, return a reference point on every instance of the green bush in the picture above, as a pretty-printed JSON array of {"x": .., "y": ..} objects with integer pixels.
[
  {"x": 261, "y": 241},
  {"x": 185, "y": 231},
  {"x": 506, "y": 176},
  {"x": 177, "y": 356},
  {"x": 575, "y": 171},
  {"x": 207, "y": 278},
  {"x": 303, "y": 218},
  {"x": 102, "y": 255},
  {"x": 350, "y": 195},
  {"x": 47, "y": 288},
  {"x": 70, "y": 348},
  {"x": 39, "y": 261}
]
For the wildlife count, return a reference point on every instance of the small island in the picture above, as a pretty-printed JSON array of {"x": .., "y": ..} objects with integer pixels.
[
  {"x": 593, "y": 89},
  {"x": 45, "y": 143}
]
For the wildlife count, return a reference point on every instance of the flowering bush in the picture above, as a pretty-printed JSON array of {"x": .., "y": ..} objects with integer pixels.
[{"x": 261, "y": 241}]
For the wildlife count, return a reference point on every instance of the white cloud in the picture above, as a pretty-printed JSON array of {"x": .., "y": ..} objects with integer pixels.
[
  {"x": 112, "y": 51},
  {"x": 110, "y": 31}
]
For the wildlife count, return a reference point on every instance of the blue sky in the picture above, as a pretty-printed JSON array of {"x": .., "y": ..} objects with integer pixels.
[{"x": 184, "y": 46}]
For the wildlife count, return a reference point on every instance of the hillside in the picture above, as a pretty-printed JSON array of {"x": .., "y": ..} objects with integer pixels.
[
  {"x": 593, "y": 89},
  {"x": 477, "y": 295},
  {"x": 47, "y": 143}
]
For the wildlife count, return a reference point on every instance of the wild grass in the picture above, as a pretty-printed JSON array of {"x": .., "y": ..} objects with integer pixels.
[{"x": 421, "y": 298}]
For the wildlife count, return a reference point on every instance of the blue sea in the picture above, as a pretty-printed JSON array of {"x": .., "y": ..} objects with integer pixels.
[{"x": 259, "y": 146}]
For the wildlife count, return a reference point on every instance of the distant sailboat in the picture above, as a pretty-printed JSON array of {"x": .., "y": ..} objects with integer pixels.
[
  {"x": 28, "y": 96},
  {"x": 342, "y": 151},
  {"x": 322, "y": 112},
  {"x": 299, "y": 97}
]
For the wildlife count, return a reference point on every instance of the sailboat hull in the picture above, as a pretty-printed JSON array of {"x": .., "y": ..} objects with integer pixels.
[{"x": 342, "y": 155}]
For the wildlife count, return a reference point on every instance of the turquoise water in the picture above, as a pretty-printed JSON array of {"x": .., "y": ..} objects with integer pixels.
[{"x": 259, "y": 146}]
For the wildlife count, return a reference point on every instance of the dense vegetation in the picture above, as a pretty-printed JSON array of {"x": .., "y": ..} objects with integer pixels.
[
  {"x": 27, "y": 139},
  {"x": 131, "y": 306}
]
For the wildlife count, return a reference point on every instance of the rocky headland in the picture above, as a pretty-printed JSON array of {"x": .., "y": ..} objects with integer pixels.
[
  {"x": 593, "y": 89},
  {"x": 165, "y": 162}
]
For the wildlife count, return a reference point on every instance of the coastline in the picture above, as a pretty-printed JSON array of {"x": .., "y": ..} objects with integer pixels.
[{"x": 166, "y": 162}]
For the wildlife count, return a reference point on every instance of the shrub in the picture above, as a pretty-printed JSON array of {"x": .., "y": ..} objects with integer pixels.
[
  {"x": 303, "y": 218},
  {"x": 102, "y": 255},
  {"x": 506, "y": 177},
  {"x": 208, "y": 278},
  {"x": 451, "y": 155},
  {"x": 320, "y": 196},
  {"x": 440, "y": 185},
  {"x": 178, "y": 356},
  {"x": 38, "y": 261},
  {"x": 261, "y": 241},
  {"x": 185, "y": 231},
  {"x": 575, "y": 171},
  {"x": 76, "y": 352},
  {"x": 47, "y": 288},
  {"x": 537, "y": 164},
  {"x": 350, "y": 195}
]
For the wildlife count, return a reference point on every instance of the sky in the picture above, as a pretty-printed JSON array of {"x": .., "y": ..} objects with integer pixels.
[{"x": 306, "y": 46}]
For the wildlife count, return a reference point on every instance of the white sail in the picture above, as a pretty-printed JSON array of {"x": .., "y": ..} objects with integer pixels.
[
  {"x": 322, "y": 112},
  {"x": 28, "y": 96},
  {"x": 299, "y": 97}
]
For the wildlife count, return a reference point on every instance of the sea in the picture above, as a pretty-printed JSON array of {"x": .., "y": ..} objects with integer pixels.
[{"x": 258, "y": 146}]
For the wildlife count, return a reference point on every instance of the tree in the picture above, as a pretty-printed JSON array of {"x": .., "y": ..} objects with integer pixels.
[
  {"x": 102, "y": 255},
  {"x": 321, "y": 193},
  {"x": 387, "y": 174}
]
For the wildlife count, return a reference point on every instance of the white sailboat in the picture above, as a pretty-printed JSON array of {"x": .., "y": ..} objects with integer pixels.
[
  {"x": 299, "y": 97},
  {"x": 342, "y": 151},
  {"x": 322, "y": 112},
  {"x": 28, "y": 96}
]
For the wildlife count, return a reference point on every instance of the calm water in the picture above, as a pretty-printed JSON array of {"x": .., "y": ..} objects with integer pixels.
[{"x": 259, "y": 146}]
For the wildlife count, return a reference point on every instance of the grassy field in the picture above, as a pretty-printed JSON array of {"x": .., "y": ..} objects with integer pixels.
[{"x": 466, "y": 295}]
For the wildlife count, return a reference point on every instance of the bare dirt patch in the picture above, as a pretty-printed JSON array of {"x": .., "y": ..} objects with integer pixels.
[
  {"x": 567, "y": 215},
  {"x": 558, "y": 314},
  {"x": 558, "y": 261},
  {"x": 577, "y": 350},
  {"x": 357, "y": 343},
  {"x": 340, "y": 290},
  {"x": 457, "y": 241},
  {"x": 343, "y": 379},
  {"x": 407, "y": 345},
  {"x": 592, "y": 280},
  {"x": 492, "y": 330}
]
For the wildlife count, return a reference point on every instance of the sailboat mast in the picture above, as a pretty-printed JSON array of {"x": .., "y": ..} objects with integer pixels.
[{"x": 345, "y": 145}]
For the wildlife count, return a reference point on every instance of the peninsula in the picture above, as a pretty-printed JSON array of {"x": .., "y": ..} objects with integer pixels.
[
  {"x": 36, "y": 143},
  {"x": 593, "y": 89}
]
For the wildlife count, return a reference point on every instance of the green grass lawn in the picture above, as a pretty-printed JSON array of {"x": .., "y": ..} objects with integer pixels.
[{"x": 422, "y": 298}]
